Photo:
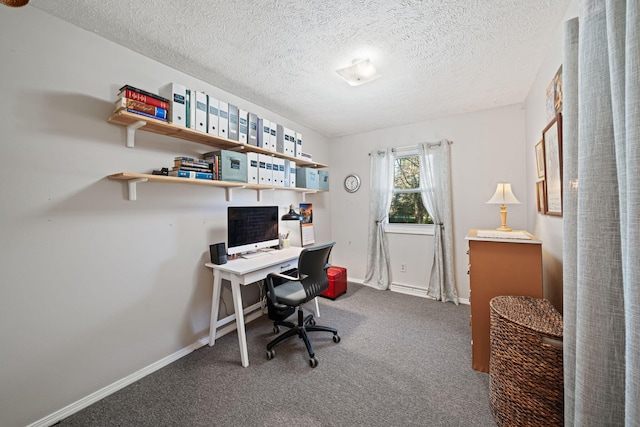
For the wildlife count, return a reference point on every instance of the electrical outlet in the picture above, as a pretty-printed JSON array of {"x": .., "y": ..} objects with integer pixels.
[{"x": 403, "y": 268}]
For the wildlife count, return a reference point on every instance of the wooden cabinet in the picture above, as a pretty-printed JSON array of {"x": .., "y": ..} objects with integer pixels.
[{"x": 499, "y": 266}]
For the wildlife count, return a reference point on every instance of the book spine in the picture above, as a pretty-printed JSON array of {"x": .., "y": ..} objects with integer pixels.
[
  {"x": 192, "y": 164},
  {"x": 190, "y": 168},
  {"x": 191, "y": 159},
  {"x": 144, "y": 98},
  {"x": 141, "y": 113},
  {"x": 141, "y": 106},
  {"x": 144, "y": 92},
  {"x": 190, "y": 174}
]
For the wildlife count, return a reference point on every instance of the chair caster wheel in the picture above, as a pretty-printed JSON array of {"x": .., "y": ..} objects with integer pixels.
[
  {"x": 270, "y": 354},
  {"x": 276, "y": 329},
  {"x": 336, "y": 338},
  {"x": 312, "y": 322},
  {"x": 313, "y": 362}
]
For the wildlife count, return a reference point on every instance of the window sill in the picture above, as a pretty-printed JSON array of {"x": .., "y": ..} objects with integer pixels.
[{"x": 418, "y": 229}]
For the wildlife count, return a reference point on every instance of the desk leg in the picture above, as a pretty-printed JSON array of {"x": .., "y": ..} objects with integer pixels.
[
  {"x": 242, "y": 336},
  {"x": 215, "y": 307}
]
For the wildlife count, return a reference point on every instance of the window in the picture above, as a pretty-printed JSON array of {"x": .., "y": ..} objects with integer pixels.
[{"x": 407, "y": 213}]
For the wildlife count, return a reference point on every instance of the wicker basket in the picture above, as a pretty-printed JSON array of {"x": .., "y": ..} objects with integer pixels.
[{"x": 526, "y": 380}]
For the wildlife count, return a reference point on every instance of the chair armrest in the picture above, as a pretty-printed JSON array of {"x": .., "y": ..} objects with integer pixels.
[{"x": 283, "y": 276}]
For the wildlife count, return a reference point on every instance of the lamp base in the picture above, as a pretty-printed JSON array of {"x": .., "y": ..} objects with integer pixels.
[{"x": 503, "y": 219}]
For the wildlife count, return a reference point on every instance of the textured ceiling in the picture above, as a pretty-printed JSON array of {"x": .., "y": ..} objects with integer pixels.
[{"x": 436, "y": 57}]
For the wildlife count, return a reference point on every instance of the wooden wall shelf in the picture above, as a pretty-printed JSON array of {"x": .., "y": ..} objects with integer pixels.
[
  {"x": 133, "y": 179},
  {"x": 134, "y": 122}
]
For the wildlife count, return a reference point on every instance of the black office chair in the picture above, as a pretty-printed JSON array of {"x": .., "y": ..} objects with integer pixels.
[{"x": 311, "y": 281}]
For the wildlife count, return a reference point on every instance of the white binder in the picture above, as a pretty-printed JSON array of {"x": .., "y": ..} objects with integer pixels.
[
  {"x": 223, "y": 120},
  {"x": 298, "y": 145},
  {"x": 212, "y": 122},
  {"x": 201, "y": 111},
  {"x": 278, "y": 172},
  {"x": 274, "y": 137},
  {"x": 265, "y": 174},
  {"x": 233, "y": 122},
  {"x": 191, "y": 109},
  {"x": 177, "y": 96},
  {"x": 264, "y": 133},
  {"x": 252, "y": 168},
  {"x": 289, "y": 142},
  {"x": 243, "y": 128},
  {"x": 292, "y": 174},
  {"x": 252, "y": 137}
]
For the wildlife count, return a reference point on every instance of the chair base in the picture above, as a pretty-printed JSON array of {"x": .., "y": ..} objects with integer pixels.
[{"x": 305, "y": 325}]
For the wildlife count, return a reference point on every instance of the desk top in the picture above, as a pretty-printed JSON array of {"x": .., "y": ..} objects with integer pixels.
[
  {"x": 505, "y": 237},
  {"x": 241, "y": 266}
]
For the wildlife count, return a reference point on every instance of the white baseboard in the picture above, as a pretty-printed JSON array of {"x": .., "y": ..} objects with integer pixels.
[
  {"x": 409, "y": 290},
  {"x": 118, "y": 385}
]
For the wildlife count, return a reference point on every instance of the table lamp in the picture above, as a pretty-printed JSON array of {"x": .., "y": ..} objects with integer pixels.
[{"x": 503, "y": 196}]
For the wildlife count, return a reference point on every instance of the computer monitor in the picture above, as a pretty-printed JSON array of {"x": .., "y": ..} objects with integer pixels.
[{"x": 250, "y": 228}]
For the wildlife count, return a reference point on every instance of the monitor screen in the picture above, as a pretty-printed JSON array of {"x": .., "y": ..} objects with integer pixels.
[{"x": 251, "y": 227}]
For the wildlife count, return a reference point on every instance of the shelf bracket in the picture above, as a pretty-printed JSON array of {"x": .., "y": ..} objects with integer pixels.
[
  {"x": 131, "y": 132},
  {"x": 132, "y": 187}
]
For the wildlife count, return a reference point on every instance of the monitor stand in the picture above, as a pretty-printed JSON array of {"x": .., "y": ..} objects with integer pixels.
[
  {"x": 259, "y": 252},
  {"x": 249, "y": 255}
]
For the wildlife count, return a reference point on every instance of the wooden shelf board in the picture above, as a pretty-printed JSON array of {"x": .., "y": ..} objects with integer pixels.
[
  {"x": 125, "y": 118},
  {"x": 128, "y": 176}
]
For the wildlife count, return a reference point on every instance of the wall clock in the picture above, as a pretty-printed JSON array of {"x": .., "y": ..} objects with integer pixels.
[{"x": 352, "y": 183}]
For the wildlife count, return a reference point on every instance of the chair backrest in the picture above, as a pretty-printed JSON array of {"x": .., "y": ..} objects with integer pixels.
[{"x": 312, "y": 268}]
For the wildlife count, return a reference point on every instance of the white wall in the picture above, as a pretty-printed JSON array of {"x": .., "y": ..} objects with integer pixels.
[
  {"x": 488, "y": 147},
  {"x": 95, "y": 287},
  {"x": 547, "y": 228}
]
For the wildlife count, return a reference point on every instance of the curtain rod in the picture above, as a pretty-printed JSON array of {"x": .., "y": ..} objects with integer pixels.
[{"x": 413, "y": 147}]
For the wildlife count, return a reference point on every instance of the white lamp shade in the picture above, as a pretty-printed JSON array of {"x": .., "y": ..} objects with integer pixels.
[{"x": 504, "y": 195}]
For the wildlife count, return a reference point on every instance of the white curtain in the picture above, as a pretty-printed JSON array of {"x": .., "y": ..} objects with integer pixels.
[
  {"x": 601, "y": 190},
  {"x": 378, "y": 274},
  {"x": 436, "y": 182}
]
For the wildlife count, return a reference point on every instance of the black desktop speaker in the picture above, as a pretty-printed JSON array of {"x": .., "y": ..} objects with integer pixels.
[{"x": 218, "y": 253}]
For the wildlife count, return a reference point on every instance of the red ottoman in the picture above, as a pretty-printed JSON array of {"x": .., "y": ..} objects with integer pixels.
[{"x": 337, "y": 282}]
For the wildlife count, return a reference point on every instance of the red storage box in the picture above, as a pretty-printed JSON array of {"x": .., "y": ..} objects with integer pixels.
[{"x": 337, "y": 282}]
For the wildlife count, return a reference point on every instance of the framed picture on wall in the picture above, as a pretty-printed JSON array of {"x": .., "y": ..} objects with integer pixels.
[
  {"x": 552, "y": 151},
  {"x": 540, "y": 159},
  {"x": 540, "y": 196}
]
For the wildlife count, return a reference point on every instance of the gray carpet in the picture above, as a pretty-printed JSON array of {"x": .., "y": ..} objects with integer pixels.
[{"x": 402, "y": 361}]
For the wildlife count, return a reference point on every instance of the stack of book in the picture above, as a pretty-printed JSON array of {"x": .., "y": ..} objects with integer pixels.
[
  {"x": 191, "y": 167},
  {"x": 141, "y": 102}
]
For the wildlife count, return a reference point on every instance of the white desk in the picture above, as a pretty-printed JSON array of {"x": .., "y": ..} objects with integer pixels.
[{"x": 244, "y": 272}]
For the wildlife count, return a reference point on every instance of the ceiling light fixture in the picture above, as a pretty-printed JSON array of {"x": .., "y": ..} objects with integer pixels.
[{"x": 359, "y": 72}]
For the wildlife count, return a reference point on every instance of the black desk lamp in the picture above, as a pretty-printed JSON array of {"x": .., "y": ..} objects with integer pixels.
[{"x": 292, "y": 215}]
